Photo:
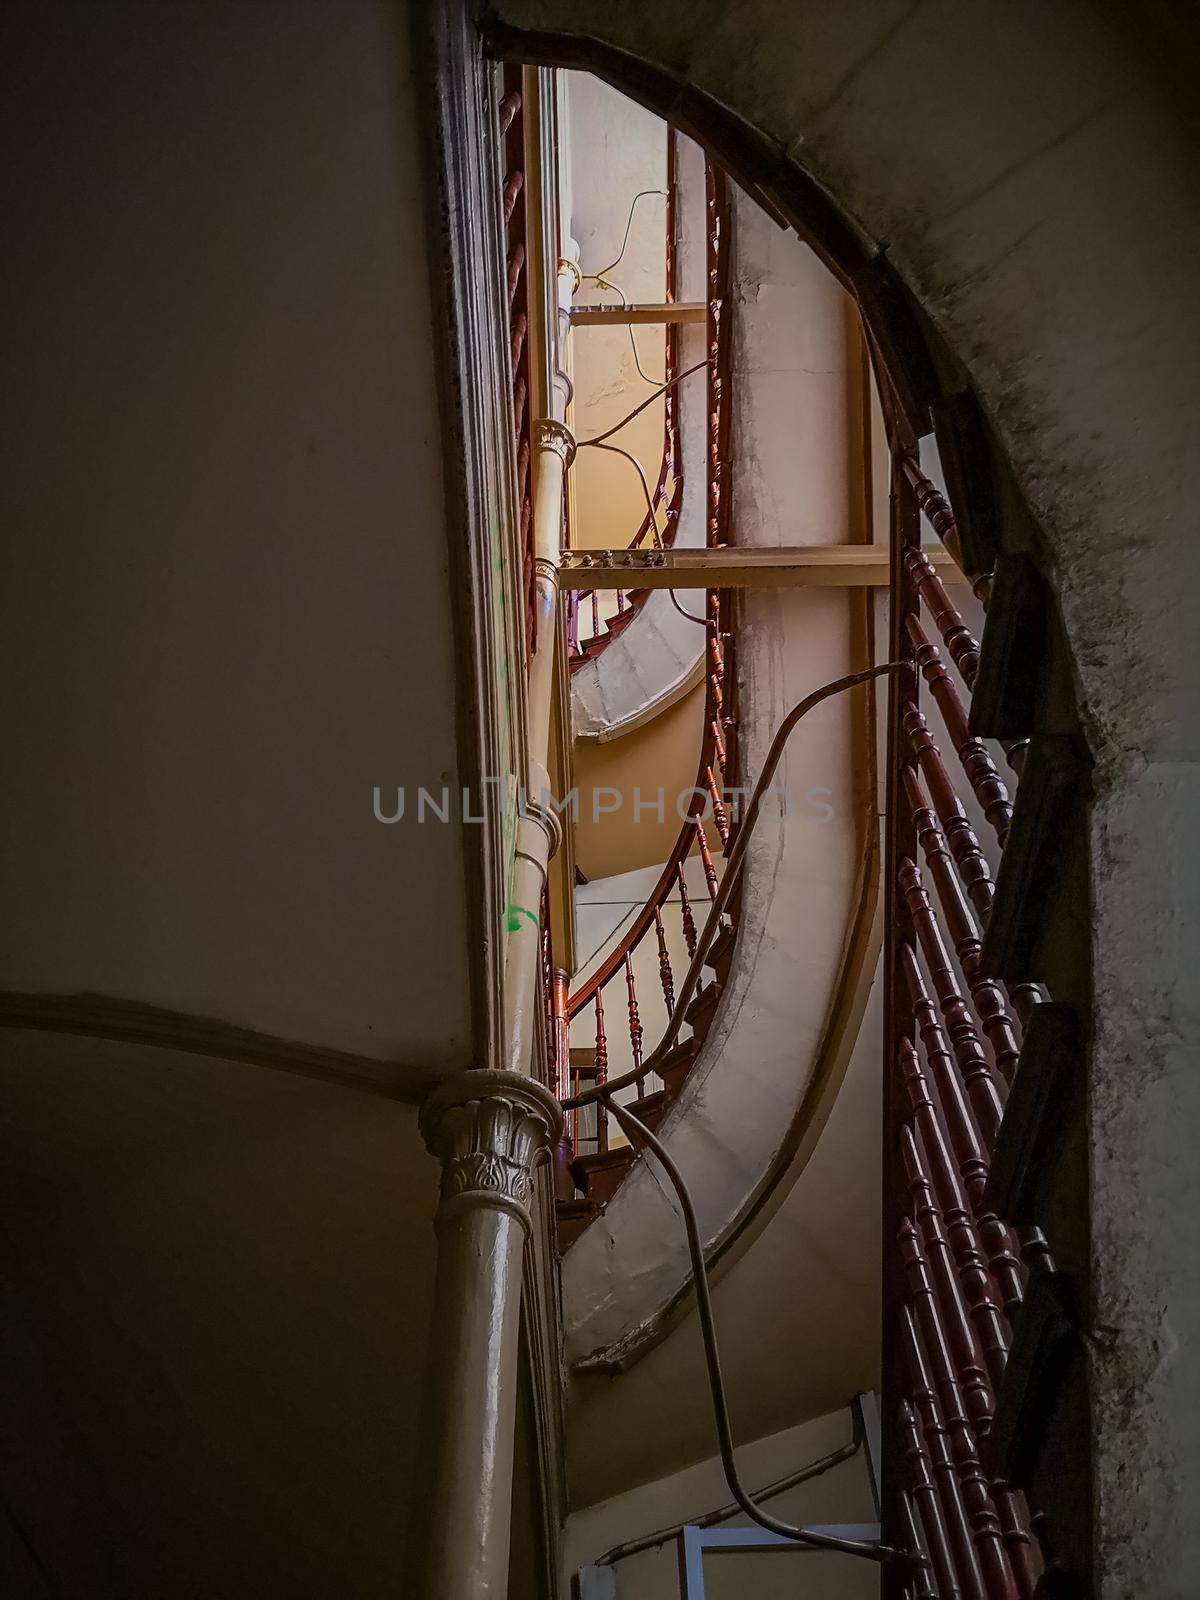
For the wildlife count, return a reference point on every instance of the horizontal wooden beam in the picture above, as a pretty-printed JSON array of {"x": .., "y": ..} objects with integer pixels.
[
  {"x": 843, "y": 566},
  {"x": 671, "y": 311}
]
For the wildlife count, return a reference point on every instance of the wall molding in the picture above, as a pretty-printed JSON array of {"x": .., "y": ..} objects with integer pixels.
[{"x": 97, "y": 1016}]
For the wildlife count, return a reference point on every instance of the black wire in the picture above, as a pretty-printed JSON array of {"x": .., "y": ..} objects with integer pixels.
[{"x": 824, "y": 1541}]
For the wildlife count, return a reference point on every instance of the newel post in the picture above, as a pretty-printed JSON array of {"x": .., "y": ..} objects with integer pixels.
[{"x": 489, "y": 1130}]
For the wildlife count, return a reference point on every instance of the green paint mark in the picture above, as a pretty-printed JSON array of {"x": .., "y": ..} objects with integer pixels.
[{"x": 515, "y": 913}]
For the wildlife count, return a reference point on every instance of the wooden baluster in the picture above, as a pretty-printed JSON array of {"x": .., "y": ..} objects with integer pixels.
[
  {"x": 964, "y": 1138},
  {"x": 519, "y": 329},
  {"x": 960, "y": 836},
  {"x": 1035, "y": 1249},
  {"x": 972, "y": 753},
  {"x": 573, "y": 623},
  {"x": 964, "y": 932},
  {"x": 920, "y": 1585},
  {"x": 965, "y": 1556},
  {"x": 516, "y": 261},
  {"x": 960, "y": 1125},
  {"x": 928, "y": 1506},
  {"x": 508, "y": 109},
  {"x": 635, "y": 1022},
  {"x": 601, "y": 1071},
  {"x": 689, "y": 922},
  {"x": 935, "y": 507},
  {"x": 719, "y": 814},
  {"x": 562, "y": 1034},
  {"x": 933, "y": 1378},
  {"x": 666, "y": 977},
  {"x": 714, "y": 652},
  {"x": 935, "y": 1161},
  {"x": 595, "y": 613},
  {"x": 710, "y": 872},
  {"x": 715, "y": 695},
  {"x": 965, "y": 1041},
  {"x": 1018, "y": 1541},
  {"x": 513, "y": 184},
  {"x": 573, "y": 1123},
  {"x": 718, "y": 740},
  {"x": 958, "y": 638},
  {"x": 967, "y": 1356}
]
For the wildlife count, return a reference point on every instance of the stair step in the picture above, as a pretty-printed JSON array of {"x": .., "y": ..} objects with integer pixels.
[
  {"x": 651, "y": 1108},
  {"x": 571, "y": 1218},
  {"x": 701, "y": 1011},
  {"x": 599, "y": 1174},
  {"x": 720, "y": 952},
  {"x": 676, "y": 1066},
  {"x": 619, "y": 621}
]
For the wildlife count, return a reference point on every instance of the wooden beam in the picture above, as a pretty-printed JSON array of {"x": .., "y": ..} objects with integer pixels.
[
  {"x": 669, "y": 311},
  {"x": 784, "y": 566}
]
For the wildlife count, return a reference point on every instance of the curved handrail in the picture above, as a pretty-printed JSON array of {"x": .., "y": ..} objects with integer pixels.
[{"x": 733, "y": 871}]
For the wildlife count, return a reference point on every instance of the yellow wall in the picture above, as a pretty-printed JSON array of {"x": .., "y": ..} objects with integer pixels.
[{"x": 664, "y": 752}]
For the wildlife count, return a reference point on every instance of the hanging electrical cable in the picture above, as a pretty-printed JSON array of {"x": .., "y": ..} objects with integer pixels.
[
  {"x": 638, "y": 1132},
  {"x": 601, "y": 278}
]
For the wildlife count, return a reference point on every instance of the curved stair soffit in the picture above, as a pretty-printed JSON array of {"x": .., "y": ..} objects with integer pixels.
[{"x": 762, "y": 1076}]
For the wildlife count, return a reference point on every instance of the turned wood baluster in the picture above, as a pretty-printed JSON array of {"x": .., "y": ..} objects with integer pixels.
[
  {"x": 965, "y": 1351},
  {"x": 964, "y": 1138},
  {"x": 715, "y": 696},
  {"x": 513, "y": 184},
  {"x": 935, "y": 1161},
  {"x": 920, "y": 1584},
  {"x": 1018, "y": 1541},
  {"x": 601, "y": 1070},
  {"x": 933, "y": 1378},
  {"x": 595, "y": 613},
  {"x": 620, "y": 600},
  {"x": 519, "y": 329},
  {"x": 710, "y": 872},
  {"x": 508, "y": 109},
  {"x": 666, "y": 977},
  {"x": 927, "y": 1503},
  {"x": 573, "y": 623},
  {"x": 964, "y": 932},
  {"x": 689, "y": 922},
  {"x": 935, "y": 507},
  {"x": 960, "y": 1125},
  {"x": 960, "y": 836},
  {"x": 965, "y": 1041},
  {"x": 516, "y": 260},
  {"x": 714, "y": 651},
  {"x": 958, "y": 638},
  {"x": 635, "y": 1021},
  {"x": 951, "y": 1498},
  {"x": 719, "y": 814},
  {"x": 718, "y": 740},
  {"x": 977, "y": 764}
]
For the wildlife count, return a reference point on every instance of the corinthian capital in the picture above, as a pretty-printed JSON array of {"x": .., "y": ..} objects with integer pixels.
[
  {"x": 549, "y": 434},
  {"x": 489, "y": 1130}
]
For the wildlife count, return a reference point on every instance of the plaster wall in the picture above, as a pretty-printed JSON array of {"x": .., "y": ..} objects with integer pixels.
[
  {"x": 227, "y": 610},
  {"x": 843, "y": 1494},
  {"x": 213, "y": 1347}
]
